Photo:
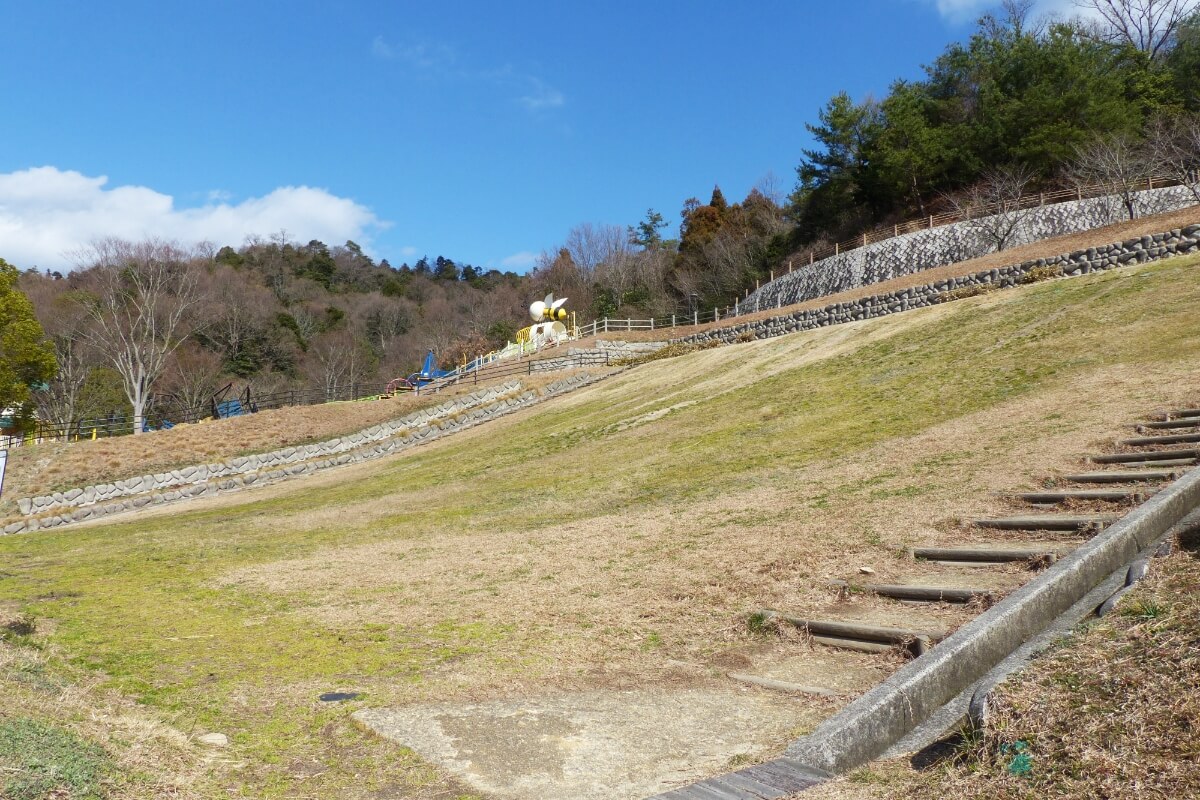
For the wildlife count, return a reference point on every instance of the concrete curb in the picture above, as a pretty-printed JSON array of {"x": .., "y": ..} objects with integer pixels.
[{"x": 870, "y": 725}]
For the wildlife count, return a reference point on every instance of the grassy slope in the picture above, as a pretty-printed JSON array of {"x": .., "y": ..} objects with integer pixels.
[
  {"x": 587, "y": 542},
  {"x": 58, "y": 466}
]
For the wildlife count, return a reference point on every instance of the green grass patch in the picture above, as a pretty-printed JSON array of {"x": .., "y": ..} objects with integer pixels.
[{"x": 42, "y": 761}]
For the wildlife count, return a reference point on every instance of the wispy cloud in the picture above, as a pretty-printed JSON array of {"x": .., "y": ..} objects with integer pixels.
[
  {"x": 541, "y": 96},
  {"x": 439, "y": 60},
  {"x": 46, "y": 212},
  {"x": 521, "y": 261},
  {"x": 422, "y": 56},
  {"x": 958, "y": 11}
]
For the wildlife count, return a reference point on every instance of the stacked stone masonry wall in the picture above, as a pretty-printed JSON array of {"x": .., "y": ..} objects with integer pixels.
[
  {"x": 949, "y": 244},
  {"x": 1081, "y": 262},
  {"x": 90, "y": 502}
]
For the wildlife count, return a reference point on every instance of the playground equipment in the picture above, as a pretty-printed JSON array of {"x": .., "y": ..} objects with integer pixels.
[
  {"x": 548, "y": 329},
  {"x": 428, "y": 374}
]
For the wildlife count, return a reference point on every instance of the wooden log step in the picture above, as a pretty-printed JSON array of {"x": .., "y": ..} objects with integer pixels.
[
  {"x": 1188, "y": 454},
  {"x": 1183, "y": 413},
  {"x": 1061, "y": 495},
  {"x": 781, "y": 686},
  {"x": 984, "y": 555},
  {"x": 925, "y": 594},
  {"x": 1130, "y": 476},
  {"x": 1045, "y": 522},
  {"x": 1186, "y": 422},
  {"x": 1161, "y": 462},
  {"x": 858, "y": 645},
  {"x": 918, "y": 641},
  {"x": 1153, "y": 441}
]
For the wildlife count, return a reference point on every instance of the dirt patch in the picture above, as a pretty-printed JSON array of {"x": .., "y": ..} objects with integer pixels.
[{"x": 595, "y": 746}]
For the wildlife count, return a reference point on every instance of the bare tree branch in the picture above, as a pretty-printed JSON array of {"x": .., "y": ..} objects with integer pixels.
[
  {"x": 144, "y": 296},
  {"x": 1119, "y": 162},
  {"x": 1148, "y": 25},
  {"x": 993, "y": 208},
  {"x": 1175, "y": 145}
]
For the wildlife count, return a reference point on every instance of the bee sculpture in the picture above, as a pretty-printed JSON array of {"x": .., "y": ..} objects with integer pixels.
[{"x": 548, "y": 326}]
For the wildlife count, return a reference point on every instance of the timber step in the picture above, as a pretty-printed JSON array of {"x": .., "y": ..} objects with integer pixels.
[
  {"x": 781, "y": 686},
  {"x": 985, "y": 555},
  {"x": 925, "y": 594},
  {"x": 1170, "y": 438},
  {"x": 859, "y": 645},
  {"x": 1183, "y": 413},
  {"x": 772, "y": 779},
  {"x": 1187, "y": 455},
  {"x": 1129, "y": 476},
  {"x": 1161, "y": 462},
  {"x": 1048, "y": 522},
  {"x": 858, "y": 636},
  {"x": 1062, "y": 495},
  {"x": 1186, "y": 422}
]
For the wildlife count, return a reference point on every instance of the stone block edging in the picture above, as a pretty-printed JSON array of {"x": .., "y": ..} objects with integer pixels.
[
  {"x": 422, "y": 426},
  {"x": 1137, "y": 250}
]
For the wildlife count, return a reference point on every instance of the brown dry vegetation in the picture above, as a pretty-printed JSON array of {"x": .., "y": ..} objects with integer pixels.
[
  {"x": 616, "y": 537},
  {"x": 1112, "y": 713},
  {"x": 55, "y": 466}
]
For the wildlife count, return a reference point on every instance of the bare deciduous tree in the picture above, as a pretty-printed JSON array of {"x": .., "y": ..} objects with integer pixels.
[
  {"x": 142, "y": 301},
  {"x": 1148, "y": 25},
  {"x": 1175, "y": 145},
  {"x": 993, "y": 207},
  {"x": 1120, "y": 163},
  {"x": 192, "y": 376}
]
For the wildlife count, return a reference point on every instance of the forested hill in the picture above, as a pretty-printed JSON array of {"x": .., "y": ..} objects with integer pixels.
[
  {"x": 275, "y": 314},
  {"x": 1020, "y": 94},
  {"x": 1022, "y": 106}
]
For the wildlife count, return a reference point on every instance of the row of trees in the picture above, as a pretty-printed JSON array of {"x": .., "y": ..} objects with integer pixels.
[
  {"x": 1020, "y": 106},
  {"x": 151, "y": 326},
  {"x": 1043, "y": 99}
]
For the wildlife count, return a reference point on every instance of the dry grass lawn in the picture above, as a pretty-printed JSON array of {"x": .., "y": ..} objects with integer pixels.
[
  {"x": 55, "y": 466},
  {"x": 616, "y": 537}
]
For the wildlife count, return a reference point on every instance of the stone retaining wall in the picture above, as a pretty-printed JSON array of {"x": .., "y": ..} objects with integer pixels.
[
  {"x": 99, "y": 500},
  {"x": 948, "y": 244},
  {"x": 1093, "y": 259}
]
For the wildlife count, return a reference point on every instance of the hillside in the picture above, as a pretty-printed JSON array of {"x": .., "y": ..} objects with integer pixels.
[{"x": 610, "y": 541}]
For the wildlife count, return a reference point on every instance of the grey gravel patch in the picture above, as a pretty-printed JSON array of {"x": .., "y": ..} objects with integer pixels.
[{"x": 594, "y": 746}]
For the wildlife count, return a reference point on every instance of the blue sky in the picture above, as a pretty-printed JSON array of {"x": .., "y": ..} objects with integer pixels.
[{"x": 480, "y": 131}]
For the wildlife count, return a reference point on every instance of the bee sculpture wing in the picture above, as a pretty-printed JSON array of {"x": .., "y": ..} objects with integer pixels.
[{"x": 557, "y": 303}]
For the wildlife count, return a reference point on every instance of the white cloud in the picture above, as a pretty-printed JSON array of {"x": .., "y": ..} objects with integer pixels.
[
  {"x": 523, "y": 260},
  {"x": 969, "y": 10},
  {"x": 541, "y": 96},
  {"x": 46, "y": 213},
  {"x": 424, "y": 56},
  {"x": 960, "y": 10}
]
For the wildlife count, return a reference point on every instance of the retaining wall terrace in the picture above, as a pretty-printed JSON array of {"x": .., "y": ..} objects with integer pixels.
[
  {"x": 91, "y": 502},
  {"x": 948, "y": 244},
  {"x": 1081, "y": 262}
]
